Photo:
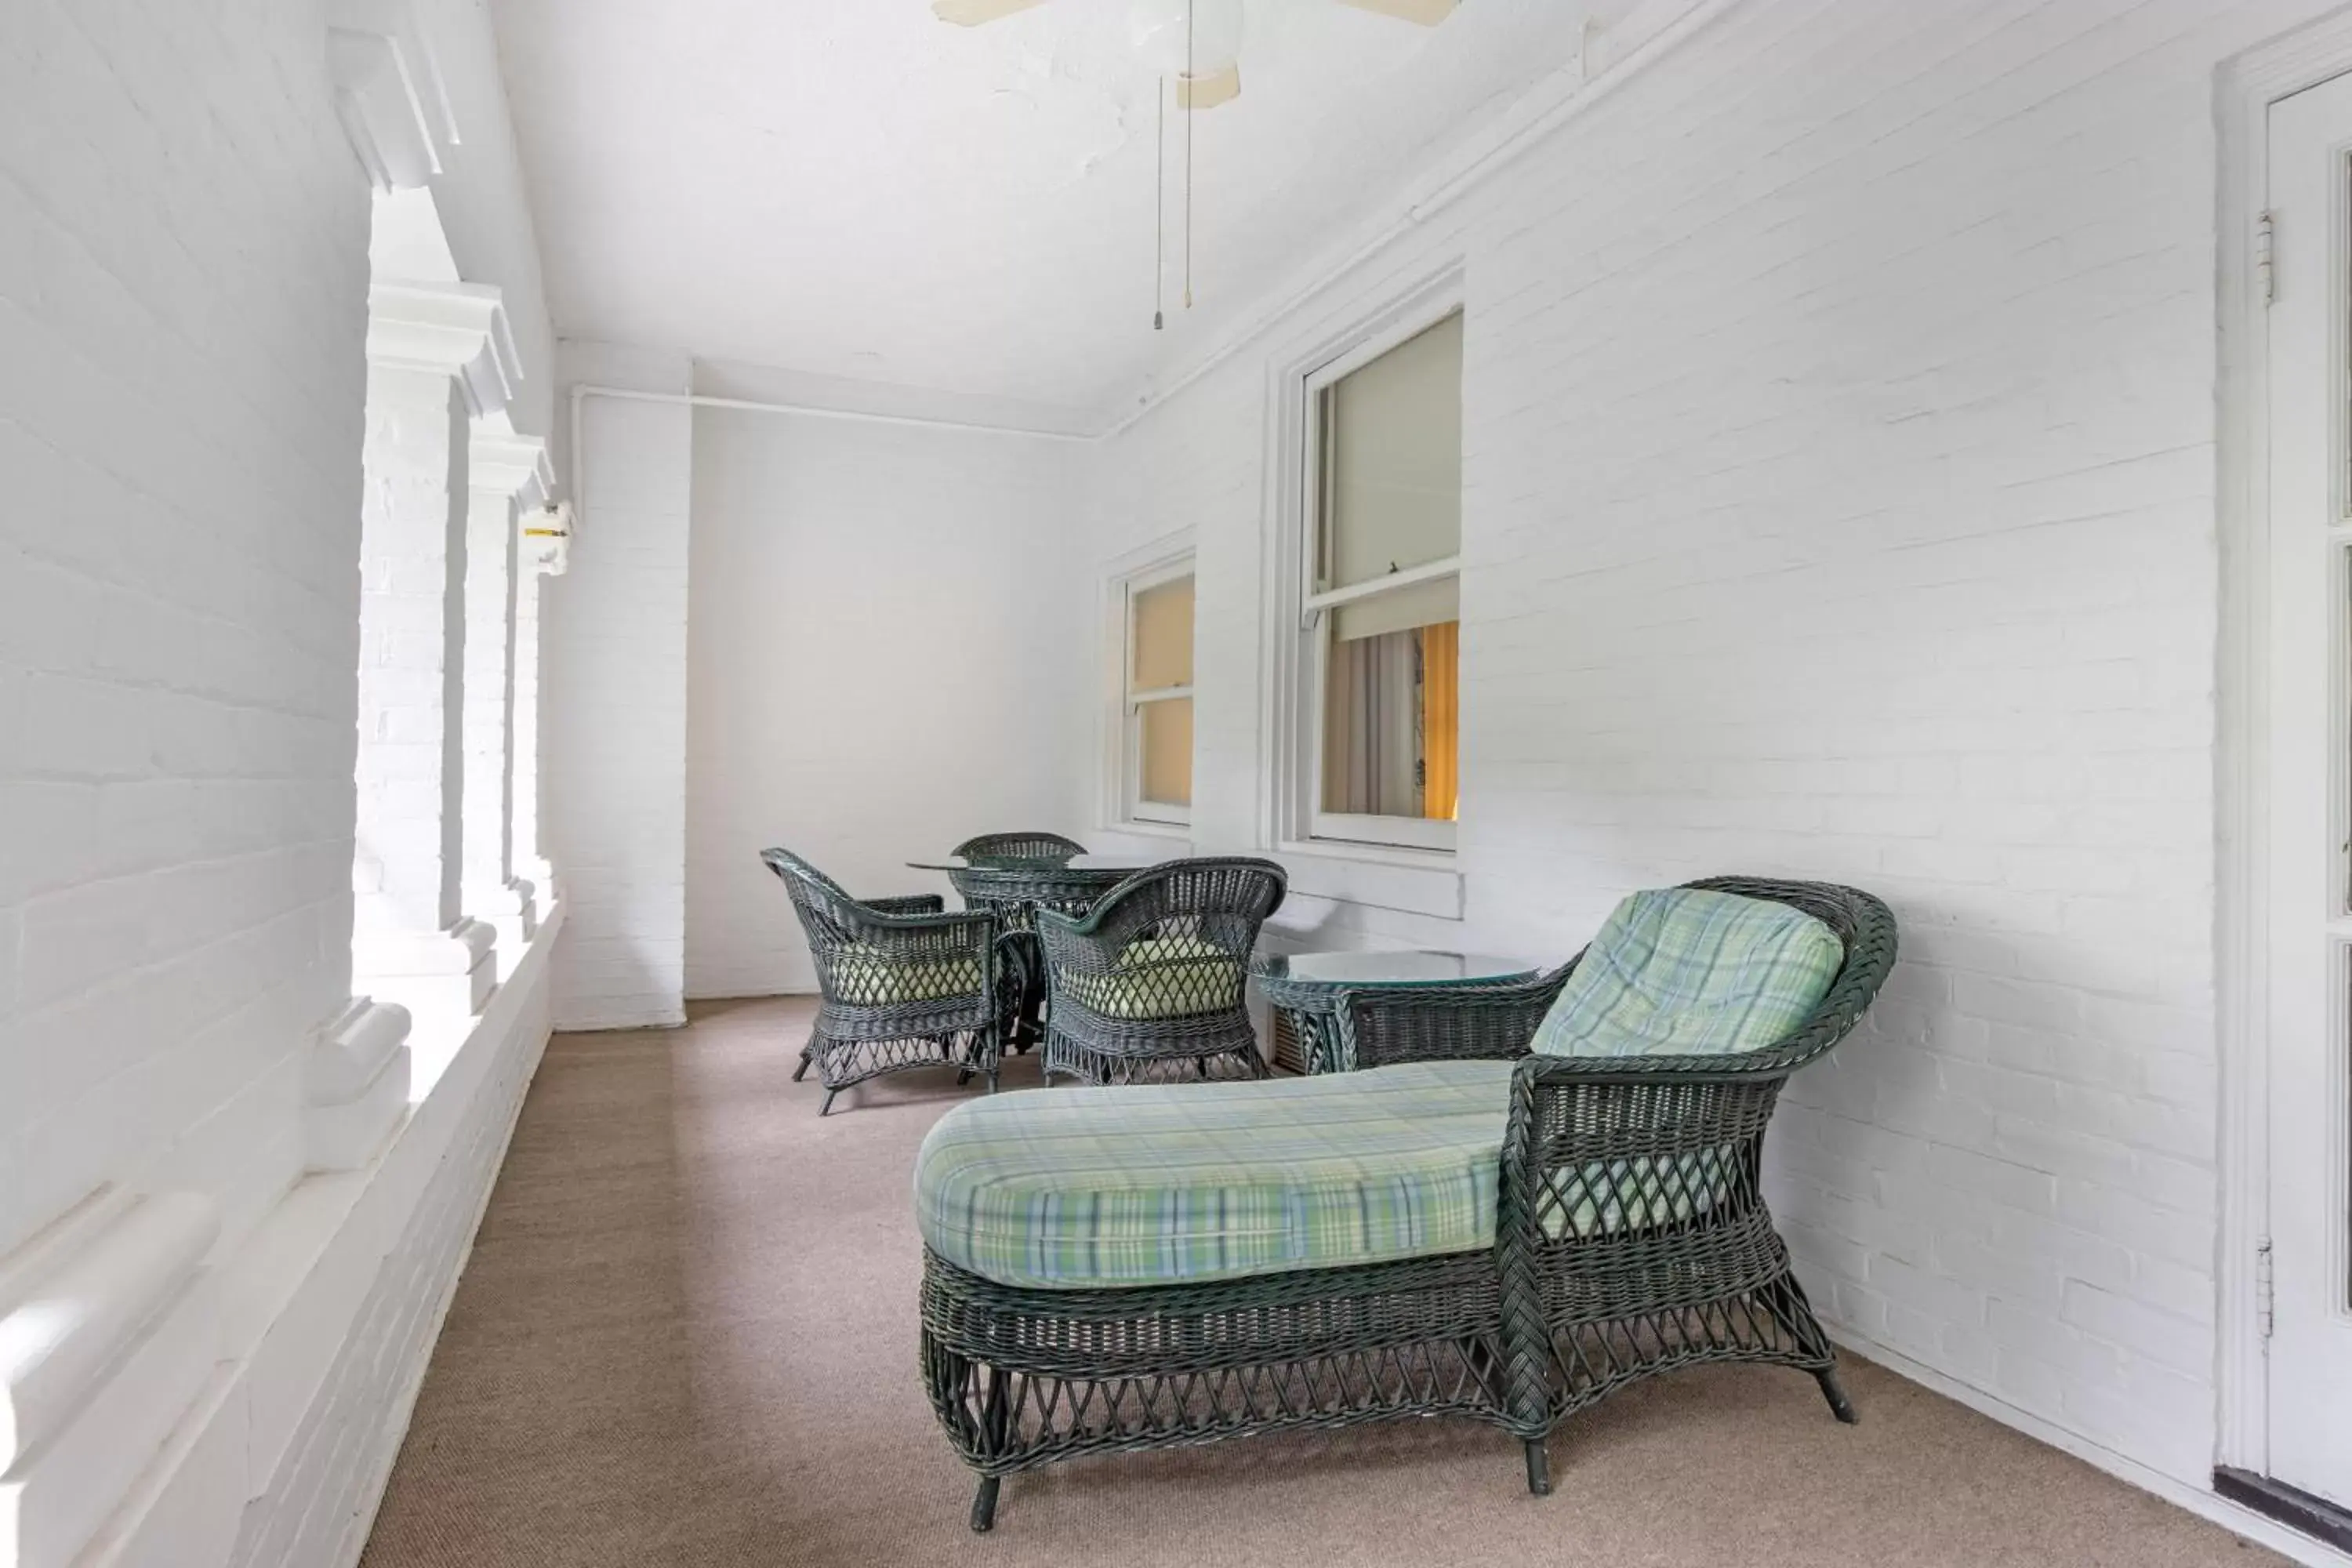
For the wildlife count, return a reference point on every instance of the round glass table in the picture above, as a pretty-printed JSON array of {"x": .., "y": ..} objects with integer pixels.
[{"x": 1304, "y": 989}]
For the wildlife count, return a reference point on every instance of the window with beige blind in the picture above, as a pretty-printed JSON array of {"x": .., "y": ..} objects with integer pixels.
[
  {"x": 1382, "y": 596},
  {"x": 1157, "y": 697}
]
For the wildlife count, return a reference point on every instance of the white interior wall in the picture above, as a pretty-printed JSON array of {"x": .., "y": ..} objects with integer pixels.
[
  {"x": 615, "y": 695},
  {"x": 1840, "y": 503},
  {"x": 885, "y": 636}
]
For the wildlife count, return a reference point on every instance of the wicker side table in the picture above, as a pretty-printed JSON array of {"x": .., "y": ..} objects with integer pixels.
[{"x": 1304, "y": 990}]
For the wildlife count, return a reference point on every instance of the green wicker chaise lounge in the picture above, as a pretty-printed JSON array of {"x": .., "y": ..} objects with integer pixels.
[
  {"x": 900, "y": 982},
  {"x": 1525, "y": 1197}
]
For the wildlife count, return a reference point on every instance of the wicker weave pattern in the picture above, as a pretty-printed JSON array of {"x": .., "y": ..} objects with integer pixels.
[
  {"x": 1120, "y": 1011},
  {"x": 901, "y": 983},
  {"x": 1558, "y": 1314}
]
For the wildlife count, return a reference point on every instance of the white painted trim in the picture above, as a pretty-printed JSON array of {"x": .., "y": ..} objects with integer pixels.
[
  {"x": 1289, "y": 766},
  {"x": 1376, "y": 830},
  {"x": 1162, "y": 561},
  {"x": 446, "y": 329},
  {"x": 700, "y": 400},
  {"x": 2245, "y": 90},
  {"x": 2205, "y": 1504},
  {"x": 388, "y": 91},
  {"x": 1375, "y": 876},
  {"x": 1428, "y": 571},
  {"x": 515, "y": 467}
]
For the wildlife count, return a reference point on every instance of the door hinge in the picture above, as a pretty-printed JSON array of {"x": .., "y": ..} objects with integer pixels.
[
  {"x": 2265, "y": 1291},
  {"x": 2266, "y": 266}
]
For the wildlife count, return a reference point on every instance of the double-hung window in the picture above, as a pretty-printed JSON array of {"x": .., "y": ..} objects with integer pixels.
[
  {"x": 1381, "y": 591},
  {"x": 1156, "y": 701}
]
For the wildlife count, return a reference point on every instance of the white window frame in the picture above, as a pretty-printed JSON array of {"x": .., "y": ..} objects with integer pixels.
[
  {"x": 1125, "y": 807},
  {"x": 1303, "y": 639}
]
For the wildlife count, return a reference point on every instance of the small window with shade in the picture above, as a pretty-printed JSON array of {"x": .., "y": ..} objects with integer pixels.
[
  {"x": 1157, "y": 699},
  {"x": 1382, "y": 597}
]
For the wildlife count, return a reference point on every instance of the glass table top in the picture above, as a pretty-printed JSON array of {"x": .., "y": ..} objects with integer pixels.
[
  {"x": 1122, "y": 864},
  {"x": 1416, "y": 967}
]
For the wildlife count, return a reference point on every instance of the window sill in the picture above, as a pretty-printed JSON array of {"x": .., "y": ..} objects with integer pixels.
[
  {"x": 1173, "y": 830},
  {"x": 1414, "y": 881}
]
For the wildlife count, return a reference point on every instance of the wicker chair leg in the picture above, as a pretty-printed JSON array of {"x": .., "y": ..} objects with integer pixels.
[
  {"x": 1834, "y": 1392},
  {"x": 801, "y": 1071},
  {"x": 984, "y": 1506},
  {"x": 826, "y": 1108},
  {"x": 996, "y": 1422},
  {"x": 1538, "y": 1468}
]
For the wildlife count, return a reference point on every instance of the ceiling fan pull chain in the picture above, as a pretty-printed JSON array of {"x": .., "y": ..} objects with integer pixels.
[
  {"x": 1189, "y": 83},
  {"x": 1158, "y": 204}
]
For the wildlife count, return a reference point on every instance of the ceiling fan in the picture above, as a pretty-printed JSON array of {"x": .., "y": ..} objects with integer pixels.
[{"x": 1202, "y": 43}]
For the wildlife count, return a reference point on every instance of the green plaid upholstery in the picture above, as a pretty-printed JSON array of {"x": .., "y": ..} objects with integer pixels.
[
  {"x": 1165, "y": 1183},
  {"x": 1078, "y": 1188},
  {"x": 867, "y": 976},
  {"x": 1161, "y": 977},
  {"x": 1686, "y": 971}
]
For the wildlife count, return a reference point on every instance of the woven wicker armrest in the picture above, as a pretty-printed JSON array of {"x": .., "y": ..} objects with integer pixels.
[
  {"x": 1383, "y": 1027},
  {"x": 880, "y": 916},
  {"x": 907, "y": 904}
]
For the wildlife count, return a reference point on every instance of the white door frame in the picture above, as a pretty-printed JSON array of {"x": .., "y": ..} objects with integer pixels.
[{"x": 2247, "y": 87}]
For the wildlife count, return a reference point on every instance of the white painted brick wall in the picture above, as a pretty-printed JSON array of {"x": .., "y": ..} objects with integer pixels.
[
  {"x": 1839, "y": 501},
  {"x": 182, "y": 282},
  {"x": 490, "y": 694},
  {"x": 183, "y": 273},
  {"x": 613, "y": 777},
  {"x": 883, "y": 661},
  {"x": 412, "y": 663},
  {"x": 527, "y": 849}
]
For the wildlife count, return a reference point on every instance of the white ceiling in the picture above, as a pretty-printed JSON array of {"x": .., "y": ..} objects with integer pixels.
[{"x": 855, "y": 189}]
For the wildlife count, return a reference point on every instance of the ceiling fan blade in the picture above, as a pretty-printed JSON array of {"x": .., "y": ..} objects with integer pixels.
[
  {"x": 972, "y": 13},
  {"x": 1428, "y": 12},
  {"x": 1210, "y": 90}
]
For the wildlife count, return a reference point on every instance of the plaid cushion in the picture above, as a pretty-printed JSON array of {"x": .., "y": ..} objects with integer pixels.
[
  {"x": 1682, "y": 972},
  {"x": 1153, "y": 1184},
  {"x": 865, "y": 975},
  {"x": 1161, "y": 977}
]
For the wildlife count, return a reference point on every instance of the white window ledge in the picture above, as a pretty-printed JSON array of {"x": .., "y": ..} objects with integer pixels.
[
  {"x": 1418, "y": 882},
  {"x": 1173, "y": 830}
]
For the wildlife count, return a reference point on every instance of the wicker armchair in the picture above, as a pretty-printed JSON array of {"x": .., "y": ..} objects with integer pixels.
[
  {"x": 1154, "y": 978},
  {"x": 1632, "y": 1235},
  {"x": 1019, "y": 846},
  {"x": 902, "y": 983}
]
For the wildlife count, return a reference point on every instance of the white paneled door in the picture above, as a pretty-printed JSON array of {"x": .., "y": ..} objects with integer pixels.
[{"x": 2307, "y": 758}]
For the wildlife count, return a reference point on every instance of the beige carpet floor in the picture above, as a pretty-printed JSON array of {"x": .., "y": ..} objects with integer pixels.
[{"x": 687, "y": 1335}]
